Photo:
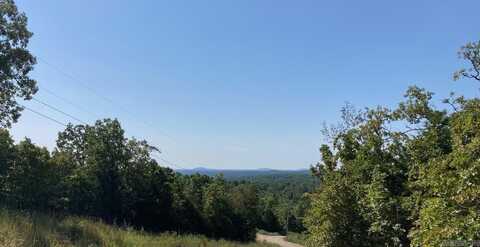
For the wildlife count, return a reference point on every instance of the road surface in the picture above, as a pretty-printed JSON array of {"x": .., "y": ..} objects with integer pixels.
[{"x": 278, "y": 240}]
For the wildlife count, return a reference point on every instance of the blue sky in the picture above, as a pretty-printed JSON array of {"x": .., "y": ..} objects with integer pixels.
[{"x": 238, "y": 84}]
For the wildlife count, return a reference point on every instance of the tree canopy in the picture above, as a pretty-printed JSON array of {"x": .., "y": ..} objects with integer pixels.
[
  {"x": 16, "y": 63},
  {"x": 385, "y": 185}
]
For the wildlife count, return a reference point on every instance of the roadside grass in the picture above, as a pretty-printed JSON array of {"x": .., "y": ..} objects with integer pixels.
[
  {"x": 38, "y": 230},
  {"x": 298, "y": 238}
]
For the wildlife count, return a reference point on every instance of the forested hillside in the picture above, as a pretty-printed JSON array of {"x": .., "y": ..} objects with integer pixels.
[{"x": 239, "y": 174}]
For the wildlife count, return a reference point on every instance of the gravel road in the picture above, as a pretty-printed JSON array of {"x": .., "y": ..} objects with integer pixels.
[{"x": 278, "y": 240}]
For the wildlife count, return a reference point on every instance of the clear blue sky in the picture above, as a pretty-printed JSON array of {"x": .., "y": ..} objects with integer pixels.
[{"x": 239, "y": 84}]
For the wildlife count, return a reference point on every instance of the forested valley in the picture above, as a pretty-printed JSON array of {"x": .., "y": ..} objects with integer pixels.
[{"x": 388, "y": 176}]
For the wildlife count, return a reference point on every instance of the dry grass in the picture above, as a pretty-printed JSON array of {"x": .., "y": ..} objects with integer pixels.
[{"x": 19, "y": 230}]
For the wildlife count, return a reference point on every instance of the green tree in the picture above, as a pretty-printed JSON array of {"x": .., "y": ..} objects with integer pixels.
[
  {"x": 244, "y": 200},
  {"x": 217, "y": 211},
  {"x": 366, "y": 188},
  {"x": 16, "y": 62},
  {"x": 146, "y": 189},
  {"x": 7, "y": 157},
  {"x": 32, "y": 178},
  {"x": 450, "y": 209},
  {"x": 186, "y": 216},
  {"x": 334, "y": 218},
  {"x": 471, "y": 53},
  {"x": 269, "y": 220}
]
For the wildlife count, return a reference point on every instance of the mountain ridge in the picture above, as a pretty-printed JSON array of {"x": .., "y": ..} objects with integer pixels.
[{"x": 237, "y": 173}]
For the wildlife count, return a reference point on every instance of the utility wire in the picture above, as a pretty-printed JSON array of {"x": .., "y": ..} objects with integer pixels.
[
  {"x": 167, "y": 162},
  {"x": 65, "y": 125},
  {"x": 75, "y": 79},
  {"x": 43, "y": 89},
  {"x": 60, "y": 111},
  {"x": 94, "y": 92},
  {"x": 133, "y": 115},
  {"x": 44, "y": 116}
]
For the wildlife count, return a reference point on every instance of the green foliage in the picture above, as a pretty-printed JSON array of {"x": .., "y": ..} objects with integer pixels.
[
  {"x": 30, "y": 171},
  {"x": 269, "y": 220},
  {"x": 471, "y": 53},
  {"x": 95, "y": 171},
  {"x": 283, "y": 200},
  {"x": 16, "y": 62},
  {"x": 334, "y": 219},
  {"x": 451, "y": 205},
  {"x": 298, "y": 238},
  {"x": 7, "y": 157},
  {"x": 415, "y": 186},
  {"x": 216, "y": 209}
]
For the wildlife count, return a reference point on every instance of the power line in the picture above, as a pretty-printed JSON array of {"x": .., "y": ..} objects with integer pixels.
[
  {"x": 58, "y": 110},
  {"x": 65, "y": 125},
  {"x": 172, "y": 164},
  {"x": 43, "y": 89},
  {"x": 103, "y": 97},
  {"x": 44, "y": 116},
  {"x": 168, "y": 162},
  {"x": 74, "y": 79}
]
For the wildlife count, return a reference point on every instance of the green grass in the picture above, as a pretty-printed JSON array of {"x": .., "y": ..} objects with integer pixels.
[
  {"x": 299, "y": 238},
  {"x": 19, "y": 230}
]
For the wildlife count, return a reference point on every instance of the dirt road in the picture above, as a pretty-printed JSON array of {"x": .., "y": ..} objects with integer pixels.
[{"x": 278, "y": 240}]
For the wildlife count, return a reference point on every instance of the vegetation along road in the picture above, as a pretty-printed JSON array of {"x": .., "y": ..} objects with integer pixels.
[{"x": 278, "y": 240}]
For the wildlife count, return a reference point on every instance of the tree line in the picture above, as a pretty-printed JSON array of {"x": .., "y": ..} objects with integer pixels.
[
  {"x": 402, "y": 176},
  {"x": 95, "y": 171}
]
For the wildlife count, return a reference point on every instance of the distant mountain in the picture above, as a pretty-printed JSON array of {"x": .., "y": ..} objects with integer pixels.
[{"x": 239, "y": 173}]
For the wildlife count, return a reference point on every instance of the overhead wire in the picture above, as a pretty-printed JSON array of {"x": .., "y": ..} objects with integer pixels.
[
  {"x": 58, "y": 110},
  {"x": 64, "y": 99},
  {"x": 105, "y": 98},
  {"x": 44, "y": 116},
  {"x": 65, "y": 125},
  {"x": 133, "y": 115}
]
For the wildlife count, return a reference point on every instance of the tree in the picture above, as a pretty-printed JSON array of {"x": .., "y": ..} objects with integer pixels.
[
  {"x": 244, "y": 200},
  {"x": 471, "y": 53},
  {"x": 186, "y": 216},
  {"x": 383, "y": 210},
  {"x": 16, "y": 63},
  {"x": 334, "y": 218},
  {"x": 146, "y": 189},
  {"x": 7, "y": 157},
  {"x": 217, "y": 211},
  {"x": 269, "y": 220},
  {"x": 358, "y": 201},
  {"x": 32, "y": 178},
  {"x": 450, "y": 209}
]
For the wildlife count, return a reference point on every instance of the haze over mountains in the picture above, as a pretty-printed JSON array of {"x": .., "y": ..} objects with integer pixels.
[{"x": 238, "y": 173}]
